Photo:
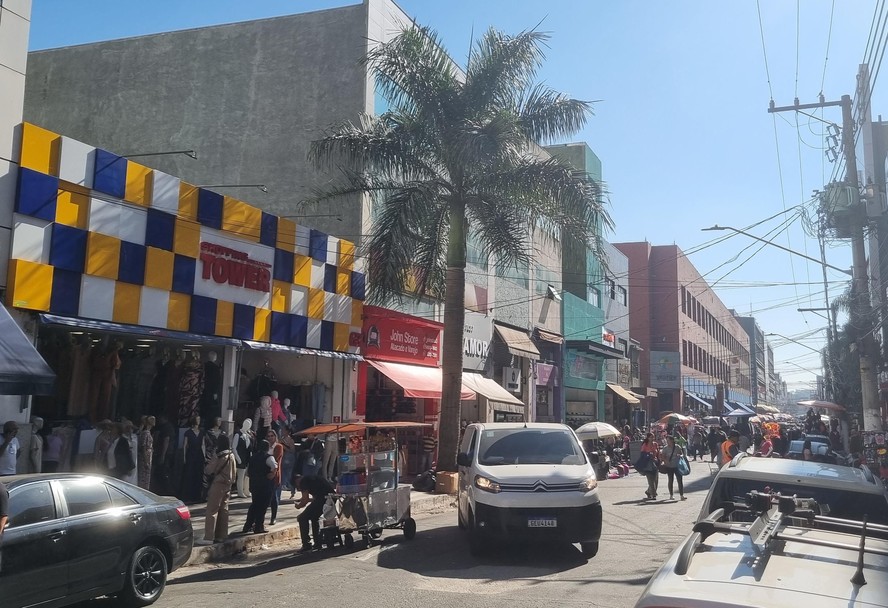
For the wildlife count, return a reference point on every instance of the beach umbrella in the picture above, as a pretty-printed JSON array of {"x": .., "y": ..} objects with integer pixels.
[
  {"x": 597, "y": 430},
  {"x": 827, "y": 405}
]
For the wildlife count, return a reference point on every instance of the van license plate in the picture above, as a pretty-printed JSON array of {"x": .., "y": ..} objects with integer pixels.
[{"x": 542, "y": 522}]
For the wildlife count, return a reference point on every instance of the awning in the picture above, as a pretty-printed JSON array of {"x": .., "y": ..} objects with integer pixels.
[
  {"x": 22, "y": 370},
  {"x": 417, "y": 381},
  {"x": 699, "y": 400},
  {"x": 595, "y": 348},
  {"x": 511, "y": 408},
  {"x": 490, "y": 389},
  {"x": 549, "y": 336},
  {"x": 301, "y": 351},
  {"x": 622, "y": 393},
  {"x": 139, "y": 330},
  {"x": 636, "y": 395},
  {"x": 740, "y": 409},
  {"x": 518, "y": 342}
]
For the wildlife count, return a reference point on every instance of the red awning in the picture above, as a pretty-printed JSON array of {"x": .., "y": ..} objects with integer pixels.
[{"x": 417, "y": 381}]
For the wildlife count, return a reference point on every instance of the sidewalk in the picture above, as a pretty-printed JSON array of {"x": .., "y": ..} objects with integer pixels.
[{"x": 285, "y": 529}]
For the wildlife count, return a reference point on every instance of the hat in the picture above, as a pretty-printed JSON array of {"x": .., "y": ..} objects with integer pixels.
[{"x": 734, "y": 434}]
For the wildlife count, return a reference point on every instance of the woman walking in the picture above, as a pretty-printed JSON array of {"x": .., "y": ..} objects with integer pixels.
[
  {"x": 261, "y": 472},
  {"x": 672, "y": 454},
  {"x": 651, "y": 447},
  {"x": 221, "y": 471},
  {"x": 277, "y": 452}
]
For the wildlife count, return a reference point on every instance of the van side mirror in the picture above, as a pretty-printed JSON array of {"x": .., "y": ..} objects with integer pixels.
[{"x": 463, "y": 459}]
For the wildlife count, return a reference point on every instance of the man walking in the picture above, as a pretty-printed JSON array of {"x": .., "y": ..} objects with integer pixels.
[{"x": 10, "y": 449}]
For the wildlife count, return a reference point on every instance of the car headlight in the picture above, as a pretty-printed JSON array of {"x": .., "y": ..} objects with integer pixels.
[
  {"x": 488, "y": 485},
  {"x": 588, "y": 484}
]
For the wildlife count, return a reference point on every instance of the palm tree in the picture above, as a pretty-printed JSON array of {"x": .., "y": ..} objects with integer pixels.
[{"x": 458, "y": 150}]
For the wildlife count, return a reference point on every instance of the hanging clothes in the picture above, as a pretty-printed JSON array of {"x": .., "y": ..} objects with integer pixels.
[{"x": 190, "y": 387}]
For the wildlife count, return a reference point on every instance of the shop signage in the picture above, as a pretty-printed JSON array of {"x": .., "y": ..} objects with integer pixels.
[
  {"x": 512, "y": 379},
  {"x": 665, "y": 369},
  {"x": 546, "y": 374},
  {"x": 476, "y": 341},
  {"x": 233, "y": 270},
  {"x": 608, "y": 337},
  {"x": 394, "y": 336},
  {"x": 225, "y": 265},
  {"x": 623, "y": 367}
]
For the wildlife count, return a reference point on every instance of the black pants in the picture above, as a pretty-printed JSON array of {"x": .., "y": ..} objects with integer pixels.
[
  {"x": 261, "y": 495},
  {"x": 674, "y": 474},
  {"x": 311, "y": 516}
]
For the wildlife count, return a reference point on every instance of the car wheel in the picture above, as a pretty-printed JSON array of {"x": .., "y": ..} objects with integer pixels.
[
  {"x": 589, "y": 549},
  {"x": 460, "y": 522},
  {"x": 476, "y": 543},
  {"x": 145, "y": 577}
]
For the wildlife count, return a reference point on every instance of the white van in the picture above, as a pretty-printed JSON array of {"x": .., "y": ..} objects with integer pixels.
[{"x": 527, "y": 481}]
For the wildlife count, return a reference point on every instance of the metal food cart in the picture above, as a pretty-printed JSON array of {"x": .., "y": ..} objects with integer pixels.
[{"x": 368, "y": 498}]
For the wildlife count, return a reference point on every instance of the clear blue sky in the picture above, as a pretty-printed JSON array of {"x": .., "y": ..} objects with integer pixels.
[{"x": 681, "y": 126}]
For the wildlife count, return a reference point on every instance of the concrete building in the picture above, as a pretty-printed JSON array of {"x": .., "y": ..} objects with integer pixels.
[
  {"x": 695, "y": 353},
  {"x": 759, "y": 376},
  {"x": 249, "y": 98}
]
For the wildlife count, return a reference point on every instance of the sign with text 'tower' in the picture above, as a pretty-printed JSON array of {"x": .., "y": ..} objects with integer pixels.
[{"x": 233, "y": 270}]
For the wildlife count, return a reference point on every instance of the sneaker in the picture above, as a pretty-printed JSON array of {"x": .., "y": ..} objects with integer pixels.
[
  {"x": 306, "y": 548},
  {"x": 271, "y": 522},
  {"x": 247, "y": 529},
  {"x": 202, "y": 542},
  {"x": 683, "y": 497},
  {"x": 670, "y": 497}
]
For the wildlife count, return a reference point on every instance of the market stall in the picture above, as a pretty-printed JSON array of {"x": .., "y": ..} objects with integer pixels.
[{"x": 368, "y": 497}]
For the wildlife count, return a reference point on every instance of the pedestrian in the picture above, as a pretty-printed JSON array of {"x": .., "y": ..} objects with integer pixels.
[
  {"x": 146, "y": 451},
  {"x": 766, "y": 448},
  {"x": 712, "y": 443},
  {"x": 697, "y": 444},
  {"x": 315, "y": 490},
  {"x": 222, "y": 471},
  {"x": 261, "y": 472},
  {"x": 277, "y": 451},
  {"x": 807, "y": 451},
  {"x": 120, "y": 457},
  {"x": 651, "y": 447},
  {"x": 102, "y": 444},
  {"x": 729, "y": 447},
  {"x": 429, "y": 445},
  {"x": 671, "y": 455},
  {"x": 289, "y": 460},
  {"x": 10, "y": 449}
]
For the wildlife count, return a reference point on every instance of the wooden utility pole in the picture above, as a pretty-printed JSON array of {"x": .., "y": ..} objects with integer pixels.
[{"x": 861, "y": 310}]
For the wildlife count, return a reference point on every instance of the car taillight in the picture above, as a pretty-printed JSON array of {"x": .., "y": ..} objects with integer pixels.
[{"x": 183, "y": 512}]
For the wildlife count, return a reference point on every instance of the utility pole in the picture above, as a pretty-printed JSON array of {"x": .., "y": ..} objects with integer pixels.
[{"x": 861, "y": 310}]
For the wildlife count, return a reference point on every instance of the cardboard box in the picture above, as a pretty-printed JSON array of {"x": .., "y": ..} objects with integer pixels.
[{"x": 446, "y": 483}]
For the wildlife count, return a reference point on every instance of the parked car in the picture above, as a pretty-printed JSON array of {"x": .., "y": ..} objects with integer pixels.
[
  {"x": 781, "y": 557},
  {"x": 841, "y": 491},
  {"x": 74, "y": 537},
  {"x": 527, "y": 481}
]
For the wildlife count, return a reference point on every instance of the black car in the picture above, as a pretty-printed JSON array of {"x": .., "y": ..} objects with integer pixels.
[{"x": 73, "y": 537}]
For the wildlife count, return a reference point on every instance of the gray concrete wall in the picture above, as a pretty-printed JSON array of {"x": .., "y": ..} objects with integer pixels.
[
  {"x": 616, "y": 314},
  {"x": 248, "y": 97}
]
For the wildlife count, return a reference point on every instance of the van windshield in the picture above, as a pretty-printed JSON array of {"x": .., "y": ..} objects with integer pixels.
[
  {"x": 832, "y": 502},
  {"x": 529, "y": 446}
]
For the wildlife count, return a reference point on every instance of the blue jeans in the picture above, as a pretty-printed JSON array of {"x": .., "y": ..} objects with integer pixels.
[{"x": 287, "y": 465}]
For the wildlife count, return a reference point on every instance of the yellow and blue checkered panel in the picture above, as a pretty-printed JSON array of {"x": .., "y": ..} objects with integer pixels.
[{"x": 99, "y": 236}]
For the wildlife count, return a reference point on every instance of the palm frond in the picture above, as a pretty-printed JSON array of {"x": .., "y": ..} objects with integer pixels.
[
  {"x": 502, "y": 67},
  {"x": 547, "y": 115},
  {"x": 502, "y": 228},
  {"x": 430, "y": 266}
]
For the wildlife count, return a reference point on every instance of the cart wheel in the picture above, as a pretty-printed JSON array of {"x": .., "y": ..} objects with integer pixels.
[
  {"x": 349, "y": 541},
  {"x": 376, "y": 533},
  {"x": 409, "y": 528},
  {"x": 368, "y": 540}
]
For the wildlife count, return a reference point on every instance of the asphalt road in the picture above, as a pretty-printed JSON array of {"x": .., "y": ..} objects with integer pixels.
[{"x": 435, "y": 569}]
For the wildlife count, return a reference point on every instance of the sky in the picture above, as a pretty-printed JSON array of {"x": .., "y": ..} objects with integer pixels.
[{"x": 681, "y": 92}]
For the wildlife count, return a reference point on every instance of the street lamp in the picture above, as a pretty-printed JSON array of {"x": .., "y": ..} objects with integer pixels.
[
  {"x": 773, "y": 244},
  {"x": 188, "y": 153},
  {"x": 261, "y": 187}
]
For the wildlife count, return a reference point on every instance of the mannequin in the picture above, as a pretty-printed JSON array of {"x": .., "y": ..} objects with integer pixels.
[
  {"x": 132, "y": 440},
  {"x": 264, "y": 382},
  {"x": 193, "y": 462},
  {"x": 262, "y": 416},
  {"x": 278, "y": 417},
  {"x": 146, "y": 451},
  {"x": 78, "y": 392},
  {"x": 331, "y": 455},
  {"x": 36, "y": 451},
  {"x": 191, "y": 384},
  {"x": 210, "y": 441},
  {"x": 242, "y": 448},
  {"x": 209, "y": 398},
  {"x": 102, "y": 444}
]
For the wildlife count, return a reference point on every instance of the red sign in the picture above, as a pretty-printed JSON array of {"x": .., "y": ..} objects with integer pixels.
[
  {"x": 229, "y": 266},
  {"x": 394, "y": 336}
]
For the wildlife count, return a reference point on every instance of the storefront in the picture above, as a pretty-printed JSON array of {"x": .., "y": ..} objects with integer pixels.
[
  {"x": 584, "y": 381},
  {"x": 156, "y": 297},
  {"x": 514, "y": 356},
  {"x": 547, "y": 374}
]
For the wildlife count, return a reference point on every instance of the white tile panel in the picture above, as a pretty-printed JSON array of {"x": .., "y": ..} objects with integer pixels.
[
  {"x": 317, "y": 274},
  {"x": 154, "y": 307},
  {"x": 299, "y": 301},
  {"x": 303, "y": 239},
  {"x": 329, "y": 306},
  {"x": 22, "y": 8},
  {"x": 165, "y": 192},
  {"x": 8, "y": 175},
  {"x": 132, "y": 224},
  {"x": 332, "y": 250},
  {"x": 30, "y": 240},
  {"x": 104, "y": 217},
  {"x": 313, "y": 339},
  {"x": 97, "y": 298},
  {"x": 342, "y": 308},
  {"x": 14, "y": 31},
  {"x": 12, "y": 85},
  {"x": 77, "y": 162}
]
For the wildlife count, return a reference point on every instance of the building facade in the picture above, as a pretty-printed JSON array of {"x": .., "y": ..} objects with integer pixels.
[{"x": 694, "y": 352}]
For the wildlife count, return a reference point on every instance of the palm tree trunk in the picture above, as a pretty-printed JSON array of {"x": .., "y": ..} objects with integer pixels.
[{"x": 454, "y": 324}]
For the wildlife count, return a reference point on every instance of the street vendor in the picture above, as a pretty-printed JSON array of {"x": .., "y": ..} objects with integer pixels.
[{"x": 315, "y": 490}]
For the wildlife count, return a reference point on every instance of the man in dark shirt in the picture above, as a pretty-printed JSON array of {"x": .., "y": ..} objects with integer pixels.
[
  {"x": 4, "y": 508},
  {"x": 314, "y": 490}
]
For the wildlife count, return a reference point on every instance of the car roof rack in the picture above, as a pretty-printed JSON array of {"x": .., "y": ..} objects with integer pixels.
[{"x": 775, "y": 513}]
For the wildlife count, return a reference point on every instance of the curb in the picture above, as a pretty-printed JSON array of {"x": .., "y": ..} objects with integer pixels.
[{"x": 244, "y": 543}]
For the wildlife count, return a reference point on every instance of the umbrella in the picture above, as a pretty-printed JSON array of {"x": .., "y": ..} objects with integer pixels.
[
  {"x": 827, "y": 405},
  {"x": 676, "y": 419},
  {"x": 597, "y": 430}
]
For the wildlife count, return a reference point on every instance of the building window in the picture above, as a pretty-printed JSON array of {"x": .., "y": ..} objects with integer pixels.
[
  {"x": 624, "y": 346},
  {"x": 475, "y": 251},
  {"x": 593, "y": 296},
  {"x": 621, "y": 296},
  {"x": 610, "y": 289}
]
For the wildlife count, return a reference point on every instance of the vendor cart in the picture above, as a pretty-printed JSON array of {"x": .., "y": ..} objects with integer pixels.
[{"x": 368, "y": 497}]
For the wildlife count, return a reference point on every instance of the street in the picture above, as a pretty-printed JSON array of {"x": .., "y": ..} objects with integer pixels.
[{"x": 436, "y": 568}]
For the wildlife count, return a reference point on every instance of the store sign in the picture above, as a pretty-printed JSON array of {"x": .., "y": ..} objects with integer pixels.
[
  {"x": 476, "y": 340},
  {"x": 583, "y": 367},
  {"x": 665, "y": 369},
  {"x": 608, "y": 338},
  {"x": 393, "y": 336},
  {"x": 233, "y": 270},
  {"x": 512, "y": 379}
]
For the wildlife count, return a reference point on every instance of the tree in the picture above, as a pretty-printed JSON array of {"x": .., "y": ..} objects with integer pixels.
[{"x": 458, "y": 149}]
